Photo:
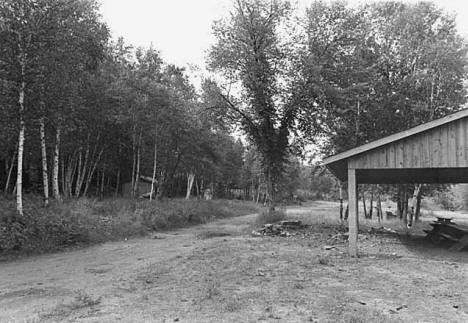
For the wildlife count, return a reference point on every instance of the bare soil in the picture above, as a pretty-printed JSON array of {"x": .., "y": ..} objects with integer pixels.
[{"x": 219, "y": 272}]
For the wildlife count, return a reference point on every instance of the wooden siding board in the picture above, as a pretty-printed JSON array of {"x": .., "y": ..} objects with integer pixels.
[
  {"x": 452, "y": 145},
  {"x": 384, "y": 156},
  {"x": 461, "y": 157},
  {"x": 399, "y": 154},
  {"x": 425, "y": 150},
  {"x": 416, "y": 151},
  {"x": 391, "y": 155},
  {"x": 435, "y": 143},
  {"x": 407, "y": 154},
  {"x": 465, "y": 140},
  {"x": 463, "y": 114},
  {"x": 463, "y": 143},
  {"x": 373, "y": 159},
  {"x": 444, "y": 144}
]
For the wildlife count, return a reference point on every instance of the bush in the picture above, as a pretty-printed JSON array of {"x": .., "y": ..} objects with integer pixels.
[
  {"x": 86, "y": 221},
  {"x": 267, "y": 216}
]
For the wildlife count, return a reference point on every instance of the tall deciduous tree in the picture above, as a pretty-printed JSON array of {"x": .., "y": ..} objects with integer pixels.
[{"x": 253, "y": 57}]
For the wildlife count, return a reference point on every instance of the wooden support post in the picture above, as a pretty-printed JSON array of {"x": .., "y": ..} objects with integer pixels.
[{"x": 353, "y": 219}]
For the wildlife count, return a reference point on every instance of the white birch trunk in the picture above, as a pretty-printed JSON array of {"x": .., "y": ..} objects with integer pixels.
[
  {"x": 82, "y": 170},
  {"x": 132, "y": 194},
  {"x": 22, "y": 130},
  {"x": 19, "y": 177},
  {"x": 190, "y": 179},
  {"x": 153, "y": 179},
  {"x": 55, "y": 171},
  {"x": 10, "y": 171},
  {"x": 79, "y": 177},
  {"x": 45, "y": 176}
]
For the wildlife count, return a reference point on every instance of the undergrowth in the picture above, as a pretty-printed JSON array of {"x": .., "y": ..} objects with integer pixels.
[
  {"x": 88, "y": 221},
  {"x": 266, "y": 216}
]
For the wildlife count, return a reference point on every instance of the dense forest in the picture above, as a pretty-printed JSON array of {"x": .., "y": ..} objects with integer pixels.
[{"x": 83, "y": 114}]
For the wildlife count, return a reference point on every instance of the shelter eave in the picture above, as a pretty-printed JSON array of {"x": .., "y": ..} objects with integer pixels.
[{"x": 395, "y": 137}]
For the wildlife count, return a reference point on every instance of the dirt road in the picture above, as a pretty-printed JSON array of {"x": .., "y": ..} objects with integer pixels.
[{"x": 218, "y": 272}]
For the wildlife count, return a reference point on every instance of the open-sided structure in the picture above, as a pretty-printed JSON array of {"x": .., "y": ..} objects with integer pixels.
[{"x": 434, "y": 152}]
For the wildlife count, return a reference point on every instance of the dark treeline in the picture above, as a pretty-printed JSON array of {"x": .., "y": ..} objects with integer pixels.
[{"x": 82, "y": 115}]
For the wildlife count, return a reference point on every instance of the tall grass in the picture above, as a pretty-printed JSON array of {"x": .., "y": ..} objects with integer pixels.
[
  {"x": 87, "y": 221},
  {"x": 267, "y": 217}
]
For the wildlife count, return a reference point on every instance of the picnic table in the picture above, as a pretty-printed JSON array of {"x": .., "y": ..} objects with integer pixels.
[{"x": 445, "y": 229}]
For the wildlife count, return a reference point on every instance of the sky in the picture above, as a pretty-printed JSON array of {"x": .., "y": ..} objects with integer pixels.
[{"x": 181, "y": 29}]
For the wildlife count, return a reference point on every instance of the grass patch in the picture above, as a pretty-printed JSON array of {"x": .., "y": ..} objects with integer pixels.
[
  {"x": 81, "y": 301},
  {"x": 88, "y": 221},
  {"x": 213, "y": 234},
  {"x": 266, "y": 217}
]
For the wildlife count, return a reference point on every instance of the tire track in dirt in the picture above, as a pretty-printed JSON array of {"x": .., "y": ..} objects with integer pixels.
[{"x": 32, "y": 288}]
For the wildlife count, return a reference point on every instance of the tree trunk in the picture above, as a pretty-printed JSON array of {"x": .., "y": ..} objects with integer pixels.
[
  {"x": 364, "y": 204},
  {"x": 10, "y": 171},
  {"x": 405, "y": 206},
  {"x": 153, "y": 179},
  {"x": 92, "y": 171},
  {"x": 22, "y": 130},
  {"x": 379, "y": 206},
  {"x": 102, "y": 182},
  {"x": 190, "y": 179},
  {"x": 400, "y": 202},
  {"x": 271, "y": 190},
  {"x": 160, "y": 190},
  {"x": 45, "y": 176},
  {"x": 62, "y": 167},
  {"x": 82, "y": 168},
  {"x": 138, "y": 161},
  {"x": 117, "y": 180},
  {"x": 197, "y": 187},
  {"x": 417, "y": 189},
  {"x": 170, "y": 177},
  {"x": 358, "y": 116},
  {"x": 55, "y": 171},
  {"x": 134, "y": 158},
  {"x": 418, "y": 206},
  {"x": 341, "y": 201},
  {"x": 371, "y": 206},
  {"x": 19, "y": 177},
  {"x": 78, "y": 173},
  {"x": 117, "y": 185}
]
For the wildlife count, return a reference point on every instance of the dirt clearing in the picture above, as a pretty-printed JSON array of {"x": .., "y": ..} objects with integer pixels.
[{"x": 219, "y": 272}]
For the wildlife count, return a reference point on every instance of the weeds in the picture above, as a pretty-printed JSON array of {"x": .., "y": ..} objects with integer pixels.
[
  {"x": 88, "y": 221},
  {"x": 212, "y": 234},
  {"x": 324, "y": 260},
  {"x": 233, "y": 304},
  {"x": 211, "y": 290},
  {"x": 82, "y": 300},
  {"x": 267, "y": 216}
]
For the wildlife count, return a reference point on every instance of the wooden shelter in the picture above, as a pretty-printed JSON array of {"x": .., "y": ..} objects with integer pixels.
[{"x": 434, "y": 152}]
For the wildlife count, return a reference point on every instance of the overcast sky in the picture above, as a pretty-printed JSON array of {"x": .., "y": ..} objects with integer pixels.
[{"x": 181, "y": 29}]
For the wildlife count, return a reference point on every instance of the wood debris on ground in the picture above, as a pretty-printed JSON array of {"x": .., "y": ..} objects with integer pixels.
[{"x": 281, "y": 229}]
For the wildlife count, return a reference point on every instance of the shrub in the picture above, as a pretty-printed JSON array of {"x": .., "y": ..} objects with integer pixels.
[{"x": 86, "y": 221}]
